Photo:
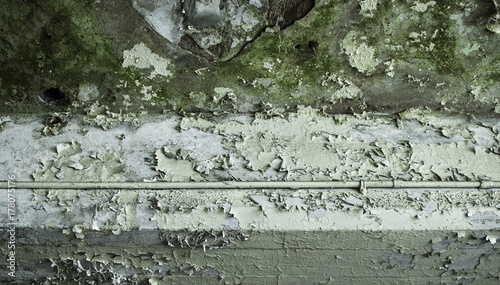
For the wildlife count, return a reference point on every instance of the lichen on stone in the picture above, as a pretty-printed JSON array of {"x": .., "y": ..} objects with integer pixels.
[
  {"x": 140, "y": 56},
  {"x": 361, "y": 56},
  {"x": 88, "y": 92},
  {"x": 422, "y": 7},
  {"x": 368, "y": 7}
]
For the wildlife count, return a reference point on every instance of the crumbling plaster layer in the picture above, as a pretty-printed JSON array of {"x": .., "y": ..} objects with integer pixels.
[
  {"x": 88, "y": 211},
  {"x": 302, "y": 146},
  {"x": 395, "y": 55}
]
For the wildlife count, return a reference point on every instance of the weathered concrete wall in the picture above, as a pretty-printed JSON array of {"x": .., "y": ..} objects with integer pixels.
[
  {"x": 270, "y": 257},
  {"x": 302, "y": 146},
  {"x": 255, "y": 236},
  {"x": 343, "y": 56},
  {"x": 258, "y": 90}
]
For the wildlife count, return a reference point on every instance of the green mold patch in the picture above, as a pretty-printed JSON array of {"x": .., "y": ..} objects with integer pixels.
[
  {"x": 288, "y": 65},
  {"x": 488, "y": 72},
  {"x": 281, "y": 67},
  {"x": 55, "y": 44},
  {"x": 444, "y": 57},
  {"x": 409, "y": 32}
]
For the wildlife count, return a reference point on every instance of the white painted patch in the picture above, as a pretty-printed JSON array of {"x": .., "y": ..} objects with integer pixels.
[
  {"x": 87, "y": 92},
  {"x": 361, "y": 56},
  {"x": 162, "y": 15},
  {"x": 422, "y": 7},
  {"x": 368, "y": 7},
  {"x": 347, "y": 92}
]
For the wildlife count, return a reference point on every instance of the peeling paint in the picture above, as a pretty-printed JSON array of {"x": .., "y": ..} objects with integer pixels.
[
  {"x": 54, "y": 124},
  {"x": 71, "y": 164},
  {"x": 401, "y": 260},
  {"x": 310, "y": 146},
  {"x": 436, "y": 56},
  {"x": 215, "y": 222},
  {"x": 368, "y": 7},
  {"x": 106, "y": 119},
  {"x": 174, "y": 169}
]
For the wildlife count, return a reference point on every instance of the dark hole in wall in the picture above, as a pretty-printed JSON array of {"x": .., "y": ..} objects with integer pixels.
[
  {"x": 55, "y": 97},
  {"x": 313, "y": 46},
  {"x": 489, "y": 7}
]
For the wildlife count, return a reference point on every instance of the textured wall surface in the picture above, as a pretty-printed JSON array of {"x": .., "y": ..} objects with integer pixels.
[
  {"x": 200, "y": 91},
  {"x": 255, "y": 236}
]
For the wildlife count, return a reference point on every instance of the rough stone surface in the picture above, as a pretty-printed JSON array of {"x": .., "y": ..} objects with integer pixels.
[{"x": 218, "y": 30}]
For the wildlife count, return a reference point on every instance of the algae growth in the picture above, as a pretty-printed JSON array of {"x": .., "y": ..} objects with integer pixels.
[{"x": 101, "y": 59}]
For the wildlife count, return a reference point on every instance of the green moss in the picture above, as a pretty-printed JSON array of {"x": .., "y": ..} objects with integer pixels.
[
  {"x": 60, "y": 44},
  {"x": 54, "y": 44},
  {"x": 385, "y": 24},
  {"x": 66, "y": 49},
  {"x": 74, "y": 49},
  {"x": 443, "y": 56},
  {"x": 487, "y": 74},
  {"x": 299, "y": 54}
]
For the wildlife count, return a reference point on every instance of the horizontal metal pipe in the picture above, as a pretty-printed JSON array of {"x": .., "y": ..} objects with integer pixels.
[{"x": 250, "y": 185}]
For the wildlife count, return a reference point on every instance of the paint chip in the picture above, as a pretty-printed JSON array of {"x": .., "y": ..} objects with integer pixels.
[{"x": 401, "y": 260}]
